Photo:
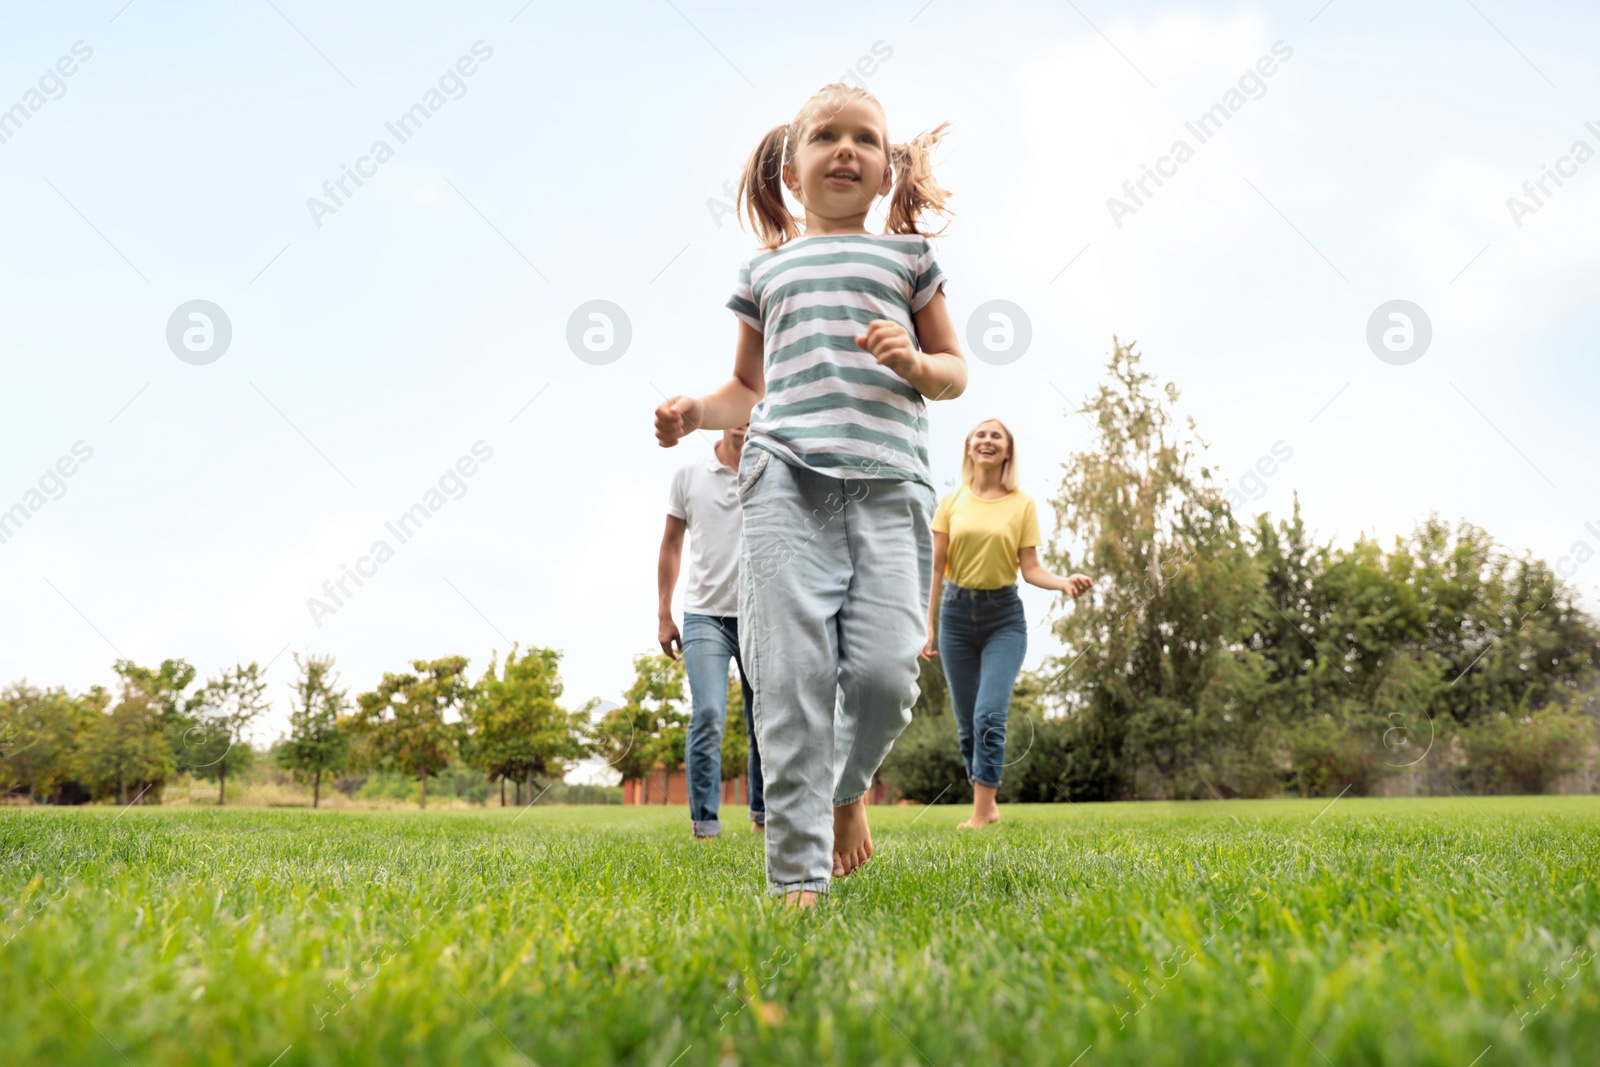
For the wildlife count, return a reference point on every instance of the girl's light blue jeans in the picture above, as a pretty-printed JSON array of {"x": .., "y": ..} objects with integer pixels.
[
  {"x": 833, "y": 598},
  {"x": 983, "y": 637},
  {"x": 709, "y": 643}
]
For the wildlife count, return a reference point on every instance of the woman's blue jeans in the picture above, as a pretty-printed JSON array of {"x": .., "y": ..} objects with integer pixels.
[
  {"x": 983, "y": 637},
  {"x": 709, "y": 642}
]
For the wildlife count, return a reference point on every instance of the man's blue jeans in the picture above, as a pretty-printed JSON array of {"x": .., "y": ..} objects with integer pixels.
[
  {"x": 983, "y": 637},
  {"x": 709, "y": 642}
]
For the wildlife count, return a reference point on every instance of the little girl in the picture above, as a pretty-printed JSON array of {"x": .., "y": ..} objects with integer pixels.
[{"x": 842, "y": 334}]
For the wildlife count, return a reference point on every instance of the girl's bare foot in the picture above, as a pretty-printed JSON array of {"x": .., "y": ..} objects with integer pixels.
[
  {"x": 800, "y": 898},
  {"x": 984, "y": 808},
  {"x": 852, "y": 838},
  {"x": 758, "y": 827}
]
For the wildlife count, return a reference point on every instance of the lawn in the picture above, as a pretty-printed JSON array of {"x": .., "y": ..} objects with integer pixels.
[{"x": 1451, "y": 932}]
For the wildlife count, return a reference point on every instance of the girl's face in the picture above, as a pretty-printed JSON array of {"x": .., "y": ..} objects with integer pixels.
[
  {"x": 841, "y": 163},
  {"x": 989, "y": 446}
]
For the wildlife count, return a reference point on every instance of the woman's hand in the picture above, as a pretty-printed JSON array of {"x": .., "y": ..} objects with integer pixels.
[
  {"x": 1076, "y": 585},
  {"x": 677, "y": 418},
  {"x": 928, "y": 652}
]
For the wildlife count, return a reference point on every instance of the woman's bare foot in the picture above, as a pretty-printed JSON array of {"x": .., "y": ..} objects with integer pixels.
[
  {"x": 852, "y": 838},
  {"x": 800, "y": 898},
  {"x": 984, "y": 808},
  {"x": 758, "y": 827}
]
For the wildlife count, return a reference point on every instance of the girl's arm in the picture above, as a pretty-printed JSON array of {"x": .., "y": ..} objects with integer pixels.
[
  {"x": 941, "y": 552},
  {"x": 934, "y": 365},
  {"x": 728, "y": 406},
  {"x": 1034, "y": 573}
]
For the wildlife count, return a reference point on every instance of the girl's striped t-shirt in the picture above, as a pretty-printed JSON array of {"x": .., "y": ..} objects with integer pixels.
[{"x": 829, "y": 406}]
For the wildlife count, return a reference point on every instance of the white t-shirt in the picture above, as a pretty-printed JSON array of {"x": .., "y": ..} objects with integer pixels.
[{"x": 704, "y": 495}]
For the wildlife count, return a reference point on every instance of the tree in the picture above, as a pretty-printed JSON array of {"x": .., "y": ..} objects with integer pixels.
[
  {"x": 651, "y": 726},
  {"x": 1143, "y": 654},
  {"x": 1333, "y": 678},
  {"x": 735, "y": 738},
  {"x": 1372, "y": 654},
  {"x": 228, "y": 705},
  {"x": 519, "y": 729},
  {"x": 404, "y": 718},
  {"x": 40, "y": 734},
  {"x": 316, "y": 744},
  {"x": 1216, "y": 659},
  {"x": 126, "y": 747},
  {"x": 167, "y": 690},
  {"x": 1506, "y": 632}
]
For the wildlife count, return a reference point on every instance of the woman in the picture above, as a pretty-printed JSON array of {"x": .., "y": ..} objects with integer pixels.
[{"x": 983, "y": 534}]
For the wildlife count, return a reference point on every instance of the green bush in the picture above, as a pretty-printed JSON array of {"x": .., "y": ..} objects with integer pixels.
[
  {"x": 350, "y": 784},
  {"x": 1049, "y": 759},
  {"x": 1510, "y": 754},
  {"x": 925, "y": 763},
  {"x": 388, "y": 787},
  {"x": 462, "y": 782},
  {"x": 564, "y": 793},
  {"x": 200, "y": 790},
  {"x": 1330, "y": 756},
  {"x": 458, "y": 782},
  {"x": 1038, "y": 752}
]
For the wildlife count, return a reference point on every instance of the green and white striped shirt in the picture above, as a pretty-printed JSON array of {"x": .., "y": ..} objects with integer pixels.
[{"x": 829, "y": 406}]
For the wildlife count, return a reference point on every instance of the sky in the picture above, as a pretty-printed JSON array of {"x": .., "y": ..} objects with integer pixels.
[{"x": 408, "y": 335}]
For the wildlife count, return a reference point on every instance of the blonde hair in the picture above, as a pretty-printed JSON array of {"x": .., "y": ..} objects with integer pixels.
[
  {"x": 914, "y": 194},
  {"x": 1008, "y": 470}
]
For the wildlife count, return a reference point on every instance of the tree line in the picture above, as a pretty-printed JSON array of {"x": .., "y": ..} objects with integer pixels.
[
  {"x": 1219, "y": 655},
  {"x": 1223, "y": 655},
  {"x": 510, "y": 724}
]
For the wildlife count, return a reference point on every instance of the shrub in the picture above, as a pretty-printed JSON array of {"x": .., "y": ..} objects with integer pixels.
[
  {"x": 1508, "y": 754},
  {"x": 350, "y": 784},
  {"x": 925, "y": 763},
  {"x": 389, "y": 787},
  {"x": 463, "y": 782},
  {"x": 1039, "y": 753},
  {"x": 1047, "y": 761},
  {"x": 1080, "y": 759},
  {"x": 564, "y": 793},
  {"x": 1329, "y": 754}
]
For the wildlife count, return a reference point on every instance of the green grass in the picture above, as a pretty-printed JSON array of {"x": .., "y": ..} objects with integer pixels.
[{"x": 1378, "y": 932}]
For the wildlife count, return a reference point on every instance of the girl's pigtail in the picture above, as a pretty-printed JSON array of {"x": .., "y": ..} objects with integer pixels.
[
  {"x": 915, "y": 192},
  {"x": 761, "y": 191}
]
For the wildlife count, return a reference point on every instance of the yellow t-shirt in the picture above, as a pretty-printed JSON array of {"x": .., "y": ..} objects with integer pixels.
[{"x": 985, "y": 536}]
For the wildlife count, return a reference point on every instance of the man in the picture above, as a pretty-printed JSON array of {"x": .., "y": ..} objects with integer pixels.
[{"x": 703, "y": 503}]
